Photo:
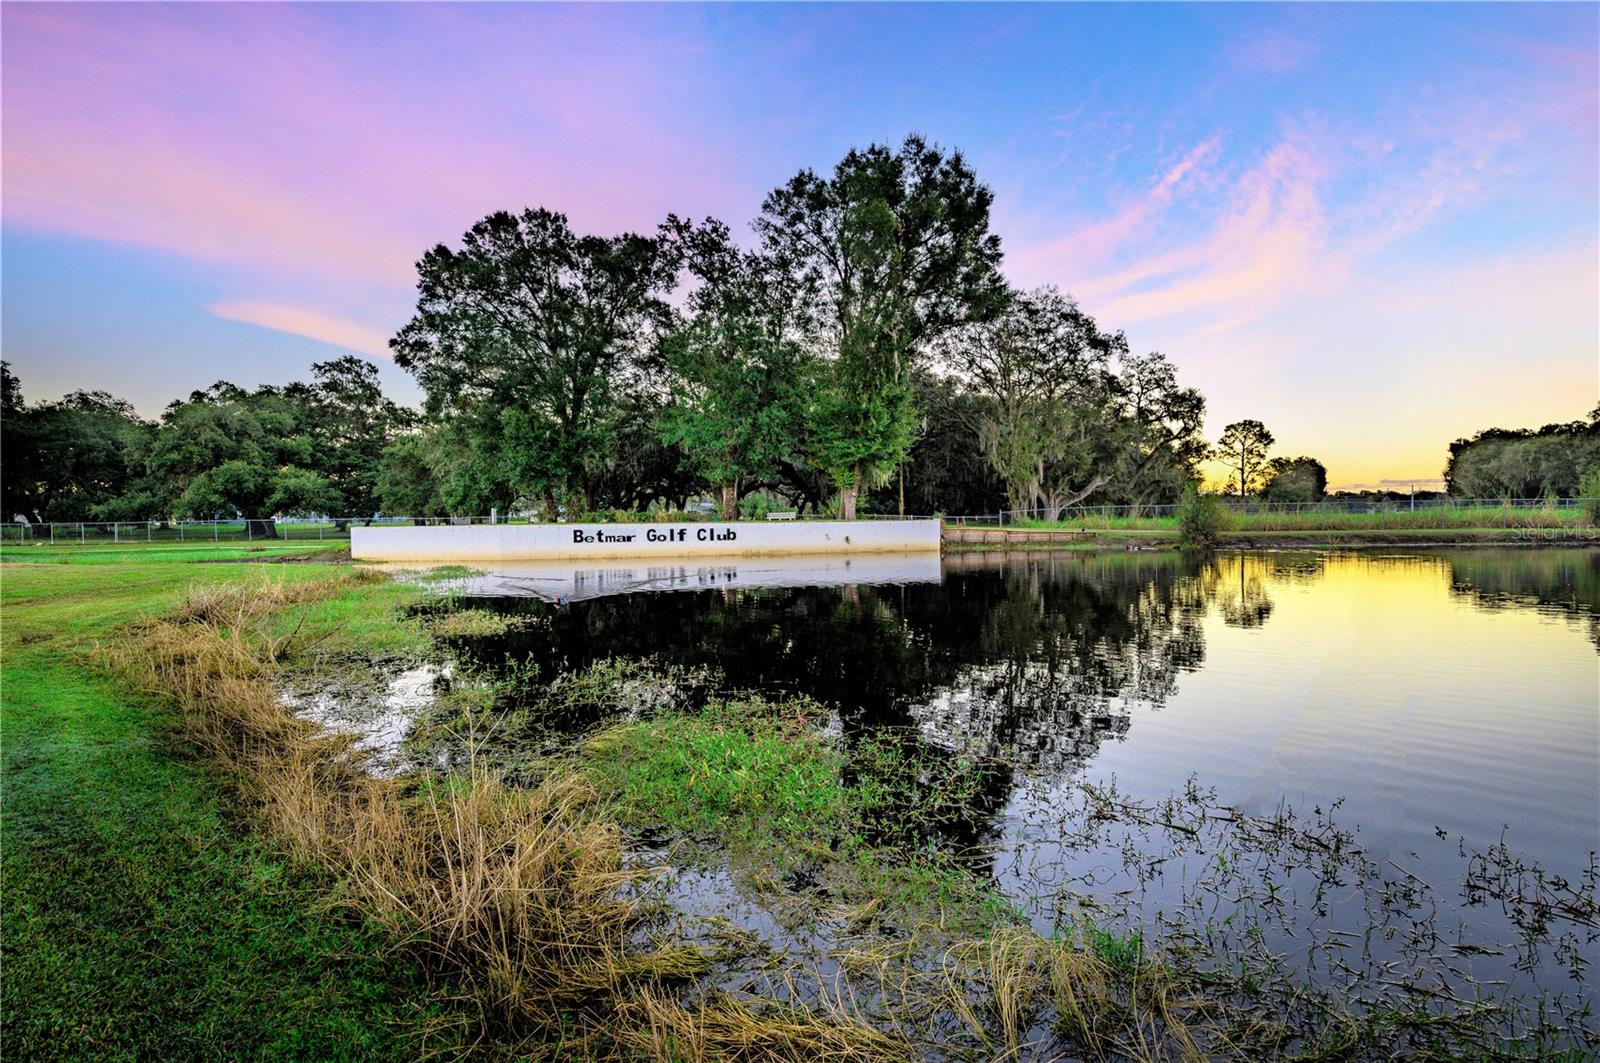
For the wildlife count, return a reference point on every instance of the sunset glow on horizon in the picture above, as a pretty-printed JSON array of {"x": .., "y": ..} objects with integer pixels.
[{"x": 1375, "y": 229}]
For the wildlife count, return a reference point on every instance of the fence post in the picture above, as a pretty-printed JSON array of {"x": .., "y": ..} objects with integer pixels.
[
  {"x": 80, "y": 533},
  {"x": 180, "y": 531},
  {"x": 149, "y": 526},
  {"x": 52, "y": 533}
]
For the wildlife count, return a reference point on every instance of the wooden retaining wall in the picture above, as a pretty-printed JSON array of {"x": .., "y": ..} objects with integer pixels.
[{"x": 957, "y": 534}]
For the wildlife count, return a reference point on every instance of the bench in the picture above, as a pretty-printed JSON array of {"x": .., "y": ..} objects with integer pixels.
[{"x": 781, "y": 516}]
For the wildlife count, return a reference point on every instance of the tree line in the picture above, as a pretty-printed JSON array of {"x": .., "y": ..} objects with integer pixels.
[
  {"x": 313, "y": 447},
  {"x": 862, "y": 350},
  {"x": 1526, "y": 463}
]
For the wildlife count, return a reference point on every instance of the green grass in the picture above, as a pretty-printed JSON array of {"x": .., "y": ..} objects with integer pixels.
[
  {"x": 736, "y": 771},
  {"x": 158, "y": 553},
  {"x": 141, "y": 918},
  {"x": 761, "y": 782}
]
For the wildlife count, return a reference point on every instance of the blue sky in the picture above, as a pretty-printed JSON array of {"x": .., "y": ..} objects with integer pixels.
[{"x": 1372, "y": 227}]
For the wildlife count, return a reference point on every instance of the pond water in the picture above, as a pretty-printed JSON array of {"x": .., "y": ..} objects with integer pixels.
[{"x": 1439, "y": 710}]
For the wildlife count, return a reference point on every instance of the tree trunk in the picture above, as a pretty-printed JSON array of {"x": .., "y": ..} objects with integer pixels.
[
  {"x": 550, "y": 512},
  {"x": 261, "y": 529},
  {"x": 1054, "y": 504},
  {"x": 847, "y": 496},
  {"x": 728, "y": 501}
]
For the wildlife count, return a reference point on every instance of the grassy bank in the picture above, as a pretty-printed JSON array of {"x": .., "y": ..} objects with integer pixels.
[
  {"x": 160, "y": 553},
  {"x": 140, "y": 919},
  {"x": 1427, "y": 527},
  {"x": 274, "y": 898}
]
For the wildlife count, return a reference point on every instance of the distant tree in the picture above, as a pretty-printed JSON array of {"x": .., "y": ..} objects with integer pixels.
[
  {"x": 530, "y": 335},
  {"x": 68, "y": 460},
  {"x": 1523, "y": 463},
  {"x": 226, "y": 452},
  {"x": 18, "y": 451},
  {"x": 645, "y": 466},
  {"x": 1051, "y": 423},
  {"x": 1299, "y": 479},
  {"x": 1243, "y": 448},
  {"x": 897, "y": 248},
  {"x": 1164, "y": 422},
  {"x": 11, "y": 400},
  {"x": 351, "y": 422},
  {"x": 741, "y": 374},
  {"x": 946, "y": 470},
  {"x": 407, "y": 483}
]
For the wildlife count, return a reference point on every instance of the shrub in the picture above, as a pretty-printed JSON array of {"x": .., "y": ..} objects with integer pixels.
[
  {"x": 1202, "y": 519},
  {"x": 1589, "y": 494}
]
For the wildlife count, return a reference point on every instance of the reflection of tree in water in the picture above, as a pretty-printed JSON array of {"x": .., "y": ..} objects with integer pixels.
[
  {"x": 1237, "y": 585},
  {"x": 1058, "y": 650},
  {"x": 1560, "y": 581},
  {"x": 1012, "y": 663}
]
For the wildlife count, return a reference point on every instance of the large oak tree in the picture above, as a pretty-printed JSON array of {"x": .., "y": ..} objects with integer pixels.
[
  {"x": 533, "y": 334},
  {"x": 896, "y": 247}
]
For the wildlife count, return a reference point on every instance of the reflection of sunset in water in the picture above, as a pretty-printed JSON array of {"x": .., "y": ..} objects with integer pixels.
[{"x": 1382, "y": 681}]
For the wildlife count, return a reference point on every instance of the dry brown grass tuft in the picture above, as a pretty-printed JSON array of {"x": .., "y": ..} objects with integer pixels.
[
  {"x": 727, "y": 1030},
  {"x": 1017, "y": 992}
]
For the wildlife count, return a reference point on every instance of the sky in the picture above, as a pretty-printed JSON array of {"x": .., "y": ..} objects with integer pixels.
[{"x": 1374, "y": 228}]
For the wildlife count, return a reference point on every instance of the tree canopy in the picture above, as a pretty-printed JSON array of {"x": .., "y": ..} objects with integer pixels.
[
  {"x": 1243, "y": 448},
  {"x": 895, "y": 247},
  {"x": 531, "y": 336},
  {"x": 1524, "y": 463},
  {"x": 1065, "y": 411}
]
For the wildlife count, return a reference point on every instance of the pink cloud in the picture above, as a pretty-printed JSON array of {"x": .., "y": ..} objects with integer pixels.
[
  {"x": 304, "y": 321},
  {"x": 1095, "y": 242},
  {"x": 258, "y": 140},
  {"x": 1264, "y": 245}
]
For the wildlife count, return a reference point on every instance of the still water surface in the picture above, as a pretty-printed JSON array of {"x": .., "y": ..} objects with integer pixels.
[{"x": 1434, "y": 704}]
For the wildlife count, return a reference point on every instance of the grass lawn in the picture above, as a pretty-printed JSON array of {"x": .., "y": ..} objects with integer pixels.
[
  {"x": 160, "y": 553},
  {"x": 140, "y": 918}
]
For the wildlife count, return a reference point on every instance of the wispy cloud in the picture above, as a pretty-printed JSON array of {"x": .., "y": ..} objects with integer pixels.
[
  {"x": 313, "y": 324},
  {"x": 1270, "y": 51},
  {"x": 1263, "y": 247},
  {"x": 1092, "y": 244}
]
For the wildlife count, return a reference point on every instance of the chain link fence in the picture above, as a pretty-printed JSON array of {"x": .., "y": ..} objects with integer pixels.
[
  {"x": 1331, "y": 506},
  {"x": 320, "y": 529}
]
